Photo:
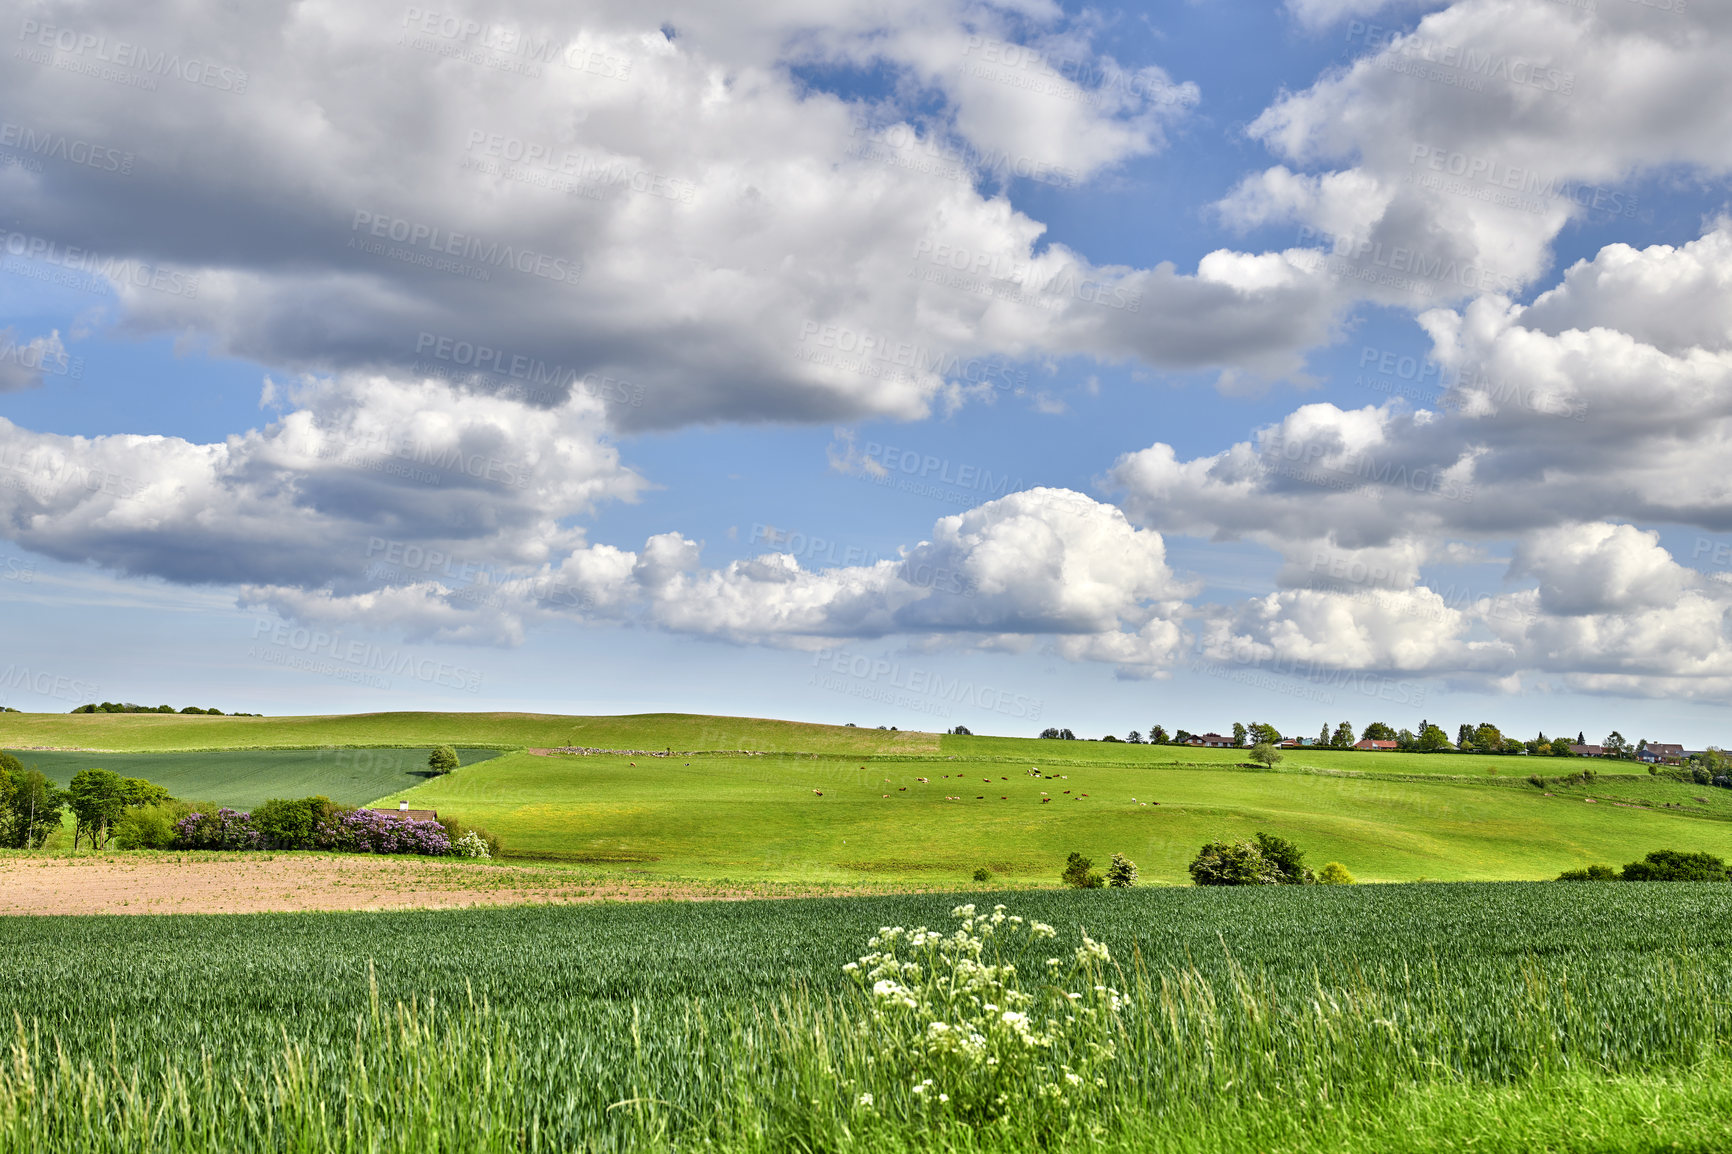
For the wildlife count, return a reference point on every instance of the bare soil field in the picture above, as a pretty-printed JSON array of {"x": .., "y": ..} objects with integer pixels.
[{"x": 189, "y": 883}]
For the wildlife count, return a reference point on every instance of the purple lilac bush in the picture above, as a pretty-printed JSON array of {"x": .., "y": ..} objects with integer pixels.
[
  {"x": 354, "y": 831},
  {"x": 224, "y": 829},
  {"x": 370, "y": 831}
]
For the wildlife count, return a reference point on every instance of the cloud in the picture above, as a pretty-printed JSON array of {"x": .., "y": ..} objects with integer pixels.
[
  {"x": 25, "y": 364},
  {"x": 1044, "y": 566},
  {"x": 1562, "y": 439},
  {"x": 358, "y": 469},
  {"x": 1442, "y": 162},
  {"x": 359, "y": 188}
]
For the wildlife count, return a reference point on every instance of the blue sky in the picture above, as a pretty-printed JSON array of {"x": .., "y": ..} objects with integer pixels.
[{"x": 1262, "y": 229}]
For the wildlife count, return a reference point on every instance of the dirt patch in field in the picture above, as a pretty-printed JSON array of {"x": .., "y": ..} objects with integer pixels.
[{"x": 258, "y": 883}]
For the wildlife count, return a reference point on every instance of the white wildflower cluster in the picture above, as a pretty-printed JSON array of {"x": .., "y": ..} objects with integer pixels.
[
  {"x": 472, "y": 845},
  {"x": 953, "y": 1032}
]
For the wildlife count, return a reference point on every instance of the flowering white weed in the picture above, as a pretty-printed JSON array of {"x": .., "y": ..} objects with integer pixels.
[
  {"x": 954, "y": 1035},
  {"x": 471, "y": 845}
]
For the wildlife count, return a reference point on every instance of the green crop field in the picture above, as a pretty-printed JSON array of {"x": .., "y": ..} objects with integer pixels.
[
  {"x": 1488, "y": 1017},
  {"x": 245, "y": 778}
]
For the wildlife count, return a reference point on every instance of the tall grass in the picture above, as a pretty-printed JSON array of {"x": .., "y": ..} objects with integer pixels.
[{"x": 1272, "y": 1021}]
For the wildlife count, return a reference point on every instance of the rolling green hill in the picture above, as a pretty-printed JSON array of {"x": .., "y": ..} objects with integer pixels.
[
  {"x": 750, "y": 816},
  {"x": 162, "y": 731},
  {"x": 760, "y": 817}
]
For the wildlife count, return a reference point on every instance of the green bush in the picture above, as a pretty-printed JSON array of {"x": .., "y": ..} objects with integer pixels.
[
  {"x": 456, "y": 831},
  {"x": 1289, "y": 859},
  {"x": 1079, "y": 873},
  {"x": 146, "y": 827},
  {"x": 1593, "y": 873},
  {"x": 1670, "y": 865},
  {"x": 442, "y": 760},
  {"x": 981, "y": 874},
  {"x": 1238, "y": 863},
  {"x": 1334, "y": 874},
  {"x": 1265, "y": 754},
  {"x": 1122, "y": 873},
  {"x": 286, "y": 824}
]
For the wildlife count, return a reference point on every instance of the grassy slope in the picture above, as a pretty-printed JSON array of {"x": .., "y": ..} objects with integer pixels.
[
  {"x": 1442, "y": 765},
  {"x": 153, "y": 731},
  {"x": 759, "y": 818},
  {"x": 245, "y": 778},
  {"x": 740, "y": 817}
]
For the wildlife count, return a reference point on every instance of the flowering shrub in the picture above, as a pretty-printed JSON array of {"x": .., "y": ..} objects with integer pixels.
[
  {"x": 224, "y": 829},
  {"x": 353, "y": 831},
  {"x": 954, "y": 1036},
  {"x": 370, "y": 831},
  {"x": 471, "y": 844}
]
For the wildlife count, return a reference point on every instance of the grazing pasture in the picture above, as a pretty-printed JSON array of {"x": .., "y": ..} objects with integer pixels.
[
  {"x": 876, "y": 819},
  {"x": 1501, "y": 1017},
  {"x": 811, "y": 804}
]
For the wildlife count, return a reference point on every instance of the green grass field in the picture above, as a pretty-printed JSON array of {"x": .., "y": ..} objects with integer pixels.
[
  {"x": 1388, "y": 817},
  {"x": 758, "y": 817},
  {"x": 243, "y": 779},
  {"x": 1486, "y": 1017}
]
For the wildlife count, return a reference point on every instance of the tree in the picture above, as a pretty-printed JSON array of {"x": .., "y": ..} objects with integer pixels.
[
  {"x": 1134, "y": 737},
  {"x": 962, "y": 731},
  {"x": 1265, "y": 754},
  {"x": 1323, "y": 734},
  {"x": 137, "y": 791},
  {"x": 1405, "y": 740},
  {"x": 1615, "y": 745},
  {"x": 1342, "y": 738},
  {"x": 1670, "y": 865},
  {"x": 36, "y": 805},
  {"x": 1079, "y": 873},
  {"x": 1487, "y": 738},
  {"x": 11, "y": 774},
  {"x": 1263, "y": 731},
  {"x": 97, "y": 803},
  {"x": 1432, "y": 739},
  {"x": 1377, "y": 731},
  {"x": 1464, "y": 737},
  {"x": 1334, "y": 874},
  {"x": 1560, "y": 747},
  {"x": 1580, "y": 738},
  {"x": 1049, "y": 732},
  {"x": 1512, "y": 745},
  {"x": 1289, "y": 859},
  {"x": 1181, "y": 736},
  {"x": 1239, "y": 863},
  {"x": 1122, "y": 873},
  {"x": 1113, "y": 737},
  {"x": 1158, "y": 736},
  {"x": 442, "y": 760},
  {"x": 1238, "y": 733}
]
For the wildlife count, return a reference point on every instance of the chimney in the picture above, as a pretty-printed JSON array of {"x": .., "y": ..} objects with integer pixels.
[{"x": 402, "y": 807}]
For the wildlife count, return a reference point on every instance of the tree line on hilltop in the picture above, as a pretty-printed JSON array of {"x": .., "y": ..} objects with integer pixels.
[{"x": 1427, "y": 738}]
